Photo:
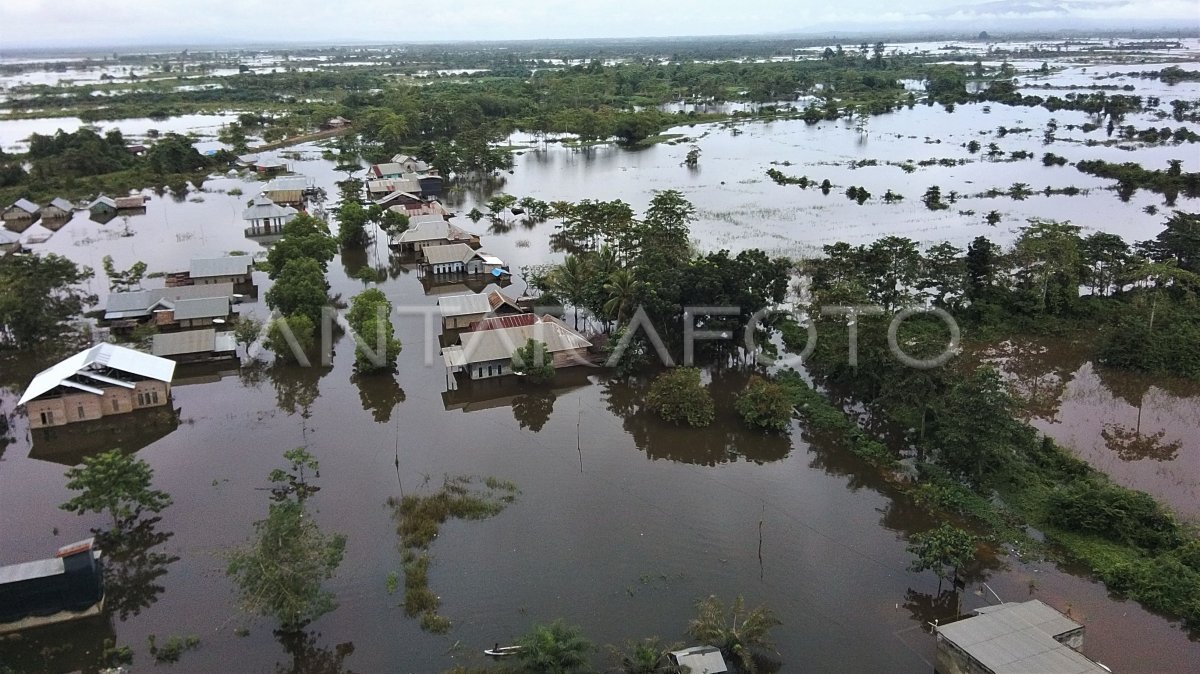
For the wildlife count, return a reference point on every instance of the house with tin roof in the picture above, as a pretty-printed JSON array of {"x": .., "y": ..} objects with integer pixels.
[
  {"x": 483, "y": 354},
  {"x": 459, "y": 258},
  {"x": 58, "y": 209},
  {"x": 192, "y": 346},
  {"x": 21, "y": 209},
  {"x": 431, "y": 230},
  {"x": 1014, "y": 638},
  {"x": 171, "y": 308},
  {"x": 267, "y": 217}
]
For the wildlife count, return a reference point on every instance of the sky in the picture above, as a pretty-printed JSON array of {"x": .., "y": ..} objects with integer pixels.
[{"x": 84, "y": 23}]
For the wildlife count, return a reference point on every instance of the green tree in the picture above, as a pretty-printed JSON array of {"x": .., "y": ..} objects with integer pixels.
[
  {"x": 648, "y": 656},
  {"x": 945, "y": 550},
  {"x": 554, "y": 649},
  {"x": 533, "y": 361},
  {"x": 1180, "y": 241},
  {"x": 570, "y": 281},
  {"x": 116, "y": 483},
  {"x": 622, "y": 289},
  {"x": 247, "y": 330},
  {"x": 303, "y": 237},
  {"x": 174, "y": 154},
  {"x": 371, "y": 317},
  {"x": 38, "y": 295},
  {"x": 740, "y": 633},
  {"x": 123, "y": 280},
  {"x": 976, "y": 431},
  {"x": 678, "y": 396},
  {"x": 352, "y": 224},
  {"x": 765, "y": 405},
  {"x": 303, "y": 337},
  {"x": 300, "y": 289}
]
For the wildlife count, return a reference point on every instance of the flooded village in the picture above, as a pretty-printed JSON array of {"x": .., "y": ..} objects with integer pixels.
[{"x": 471, "y": 461}]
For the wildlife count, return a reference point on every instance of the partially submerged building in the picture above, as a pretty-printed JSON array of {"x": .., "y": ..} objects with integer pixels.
[
  {"x": 103, "y": 206},
  {"x": 68, "y": 586},
  {"x": 235, "y": 269},
  {"x": 1014, "y": 638},
  {"x": 195, "y": 346},
  {"x": 58, "y": 209},
  {"x": 101, "y": 381},
  {"x": 459, "y": 258},
  {"x": 172, "y": 308},
  {"x": 700, "y": 660},
  {"x": 460, "y": 311},
  {"x": 266, "y": 217},
  {"x": 482, "y": 354},
  {"x": 431, "y": 230},
  {"x": 9, "y": 243},
  {"x": 21, "y": 209},
  {"x": 131, "y": 203},
  {"x": 289, "y": 190}
]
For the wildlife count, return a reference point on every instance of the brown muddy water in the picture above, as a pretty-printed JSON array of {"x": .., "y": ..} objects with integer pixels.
[{"x": 623, "y": 522}]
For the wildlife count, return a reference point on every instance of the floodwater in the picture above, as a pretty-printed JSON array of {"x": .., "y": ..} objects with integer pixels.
[{"x": 623, "y": 521}]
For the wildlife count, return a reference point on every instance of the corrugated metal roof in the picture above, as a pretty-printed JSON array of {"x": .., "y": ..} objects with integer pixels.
[
  {"x": 102, "y": 201},
  {"x": 262, "y": 207},
  {"x": 393, "y": 185},
  {"x": 496, "y": 322},
  {"x": 189, "y": 341},
  {"x": 7, "y": 237},
  {"x": 701, "y": 660},
  {"x": 65, "y": 205},
  {"x": 42, "y": 568},
  {"x": 140, "y": 302},
  {"x": 463, "y": 305},
  {"x": 451, "y": 252},
  {"x": 1018, "y": 638},
  {"x": 202, "y": 307},
  {"x": 498, "y": 299},
  {"x": 388, "y": 169},
  {"x": 103, "y": 355},
  {"x": 235, "y": 265},
  {"x": 226, "y": 341},
  {"x": 135, "y": 201},
  {"x": 287, "y": 184},
  {"x": 491, "y": 345},
  {"x": 392, "y": 196},
  {"x": 27, "y": 206}
]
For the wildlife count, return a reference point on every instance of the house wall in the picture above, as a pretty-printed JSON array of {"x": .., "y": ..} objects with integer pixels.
[
  {"x": 67, "y": 408},
  {"x": 14, "y": 213},
  {"x": 54, "y": 212},
  {"x": 490, "y": 369},
  {"x": 570, "y": 358},
  {"x": 953, "y": 660},
  {"x": 213, "y": 280},
  {"x": 447, "y": 268},
  {"x": 460, "y": 322}
]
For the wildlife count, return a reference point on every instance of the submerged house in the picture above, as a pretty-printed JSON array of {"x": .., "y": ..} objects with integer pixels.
[
  {"x": 21, "y": 209},
  {"x": 483, "y": 354},
  {"x": 9, "y": 243},
  {"x": 192, "y": 346},
  {"x": 68, "y": 586},
  {"x": 431, "y": 230},
  {"x": 335, "y": 123},
  {"x": 58, "y": 209},
  {"x": 1014, "y": 638},
  {"x": 288, "y": 190},
  {"x": 460, "y": 311},
  {"x": 378, "y": 188},
  {"x": 410, "y": 164},
  {"x": 267, "y": 217},
  {"x": 459, "y": 258},
  {"x": 103, "y": 206},
  {"x": 235, "y": 269},
  {"x": 133, "y": 203},
  {"x": 101, "y": 381},
  {"x": 386, "y": 170},
  {"x": 700, "y": 660},
  {"x": 173, "y": 308}
]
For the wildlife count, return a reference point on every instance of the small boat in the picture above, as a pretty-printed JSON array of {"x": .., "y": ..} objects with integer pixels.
[{"x": 499, "y": 651}]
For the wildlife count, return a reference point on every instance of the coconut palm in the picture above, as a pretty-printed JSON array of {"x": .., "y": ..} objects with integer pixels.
[
  {"x": 569, "y": 281},
  {"x": 649, "y": 656},
  {"x": 622, "y": 289},
  {"x": 553, "y": 649},
  {"x": 738, "y": 634}
]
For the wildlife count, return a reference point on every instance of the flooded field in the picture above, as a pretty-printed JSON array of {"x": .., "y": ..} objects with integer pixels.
[{"x": 623, "y": 521}]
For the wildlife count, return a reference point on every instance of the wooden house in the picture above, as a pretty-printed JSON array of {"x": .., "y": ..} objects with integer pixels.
[
  {"x": 431, "y": 230},
  {"x": 193, "y": 346},
  {"x": 103, "y": 206},
  {"x": 266, "y": 217},
  {"x": 21, "y": 209},
  {"x": 288, "y": 190},
  {"x": 460, "y": 311},
  {"x": 131, "y": 203},
  {"x": 410, "y": 164},
  {"x": 482, "y": 354},
  {"x": 268, "y": 166},
  {"x": 235, "y": 269},
  {"x": 101, "y": 381},
  {"x": 58, "y": 209},
  {"x": 459, "y": 258},
  {"x": 174, "y": 308},
  {"x": 67, "y": 586}
]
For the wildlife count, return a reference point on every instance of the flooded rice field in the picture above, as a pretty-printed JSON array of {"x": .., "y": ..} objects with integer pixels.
[{"x": 623, "y": 521}]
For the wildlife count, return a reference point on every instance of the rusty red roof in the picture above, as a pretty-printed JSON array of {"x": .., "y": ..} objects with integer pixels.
[{"x": 500, "y": 322}]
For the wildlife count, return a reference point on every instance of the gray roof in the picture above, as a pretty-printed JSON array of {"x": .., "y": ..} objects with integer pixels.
[
  {"x": 287, "y": 184},
  {"x": 7, "y": 237},
  {"x": 193, "y": 341},
  {"x": 262, "y": 207},
  {"x": 432, "y": 227},
  {"x": 701, "y": 660},
  {"x": 43, "y": 568},
  {"x": 499, "y": 344},
  {"x": 141, "y": 302},
  {"x": 389, "y": 168},
  {"x": 464, "y": 305},
  {"x": 102, "y": 201},
  {"x": 65, "y": 205},
  {"x": 206, "y": 267},
  {"x": 27, "y": 205},
  {"x": 100, "y": 356},
  {"x": 1018, "y": 638},
  {"x": 453, "y": 252},
  {"x": 202, "y": 307}
]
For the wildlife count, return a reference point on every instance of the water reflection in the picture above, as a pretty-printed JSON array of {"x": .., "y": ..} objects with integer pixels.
[
  {"x": 533, "y": 410},
  {"x": 308, "y": 657},
  {"x": 132, "y": 568},
  {"x": 70, "y": 445},
  {"x": 379, "y": 392},
  {"x": 926, "y": 607},
  {"x": 724, "y": 441},
  {"x": 76, "y": 646}
]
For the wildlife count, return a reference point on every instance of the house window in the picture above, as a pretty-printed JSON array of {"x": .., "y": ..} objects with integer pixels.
[
  {"x": 80, "y": 408},
  {"x": 47, "y": 417},
  {"x": 141, "y": 399},
  {"x": 154, "y": 397},
  {"x": 116, "y": 405}
]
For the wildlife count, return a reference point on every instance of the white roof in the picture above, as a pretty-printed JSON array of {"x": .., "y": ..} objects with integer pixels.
[
  {"x": 62, "y": 203},
  {"x": 287, "y": 184},
  {"x": 142, "y": 302},
  {"x": 26, "y": 205},
  {"x": 393, "y": 185},
  {"x": 98, "y": 357},
  {"x": 7, "y": 237},
  {"x": 451, "y": 252},
  {"x": 701, "y": 660},
  {"x": 390, "y": 168},
  {"x": 499, "y": 344},
  {"x": 193, "y": 341},
  {"x": 1017, "y": 638},
  {"x": 464, "y": 305},
  {"x": 107, "y": 201},
  {"x": 262, "y": 207},
  {"x": 431, "y": 227},
  {"x": 204, "y": 267}
]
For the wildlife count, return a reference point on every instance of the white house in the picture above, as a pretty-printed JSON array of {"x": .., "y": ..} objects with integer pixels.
[
  {"x": 483, "y": 354},
  {"x": 267, "y": 217}
]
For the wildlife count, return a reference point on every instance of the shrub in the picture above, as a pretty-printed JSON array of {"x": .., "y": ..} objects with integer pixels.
[
  {"x": 1118, "y": 514},
  {"x": 765, "y": 405},
  {"x": 678, "y": 396}
]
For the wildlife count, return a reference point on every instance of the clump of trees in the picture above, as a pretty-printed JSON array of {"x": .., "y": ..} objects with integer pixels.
[
  {"x": 765, "y": 405},
  {"x": 370, "y": 317},
  {"x": 677, "y": 395},
  {"x": 116, "y": 483},
  {"x": 39, "y": 295},
  {"x": 534, "y": 362},
  {"x": 743, "y": 635}
]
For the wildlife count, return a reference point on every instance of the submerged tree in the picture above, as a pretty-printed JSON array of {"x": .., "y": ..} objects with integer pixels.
[
  {"x": 741, "y": 634},
  {"x": 554, "y": 649},
  {"x": 116, "y": 483},
  {"x": 677, "y": 395},
  {"x": 945, "y": 550},
  {"x": 534, "y": 361},
  {"x": 38, "y": 295}
]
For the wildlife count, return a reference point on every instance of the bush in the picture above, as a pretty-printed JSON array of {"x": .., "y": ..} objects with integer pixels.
[
  {"x": 678, "y": 396},
  {"x": 1118, "y": 514},
  {"x": 765, "y": 405}
]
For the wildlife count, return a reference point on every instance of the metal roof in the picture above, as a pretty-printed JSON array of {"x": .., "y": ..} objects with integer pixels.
[
  {"x": 100, "y": 356},
  {"x": 499, "y": 344},
  {"x": 393, "y": 185},
  {"x": 498, "y": 299},
  {"x": 134, "y": 201},
  {"x": 27, "y": 206},
  {"x": 102, "y": 201},
  {"x": 202, "y": 307},
  {"x": 463, "y": 305},
  {"x": 141, "y": 302},
  {"x": 1018, "y": 638},
  {"x": 7, "y": 237},
  {"x": 451, "y": 252},
  {"x": 188, "y": 341},
  {"x": 43, "y": 568},
  {"x": 287, "y": 184},
  {"x": 495, "y": 322},
  {"x": 261, "y": 207},
  {"x": 220, "y": 266},
  {"x": 65, "y": 205},
  {"x": 388, "y": 169},
  {"x": 701, "y": 660}
]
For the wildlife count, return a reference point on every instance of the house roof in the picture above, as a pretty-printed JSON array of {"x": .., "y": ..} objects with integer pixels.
[
  {"x": 463, "y": 305},
  {"x": 65, "y": 205},
  {"x": 451, "y": 252},
  {"x": 7, "y": 237},
  {"x": 188, "y": 341},
  {"x": 499, "y": 344},
  {"x": 389, "y": 168},
  {"x": 432, "y": 227},
  {"x": 1015, "y": 638},
  {"x": 134, "y": 201},
  {"x": 392, "y": 196},
  {"x": 498, "y": 299},
  {"x": 66, "y": 372},
  {"x": 496, "y": 322},
  {"x": 201, "y": 307},
  {"x": 27, "y": 205},
  {"x": 287, "y": 184},
  {"x": 141, "y": 302},
  {"x": 393, "y": 185},
  {"x": 701, "y": 660},
  {"x": 233, "y": 265},
  {"x": 261, "y": 207},
  {"x": 102, "y": 201}
]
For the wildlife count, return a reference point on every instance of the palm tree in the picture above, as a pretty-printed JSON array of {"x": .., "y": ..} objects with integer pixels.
[
  {"x": 739, "y": 635},
  {"x": 622, "y": 289},
  {"x": 553, "y": 649},
  {"x": 646, "y": 657},
  {"x": 569, "y": 281}
]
